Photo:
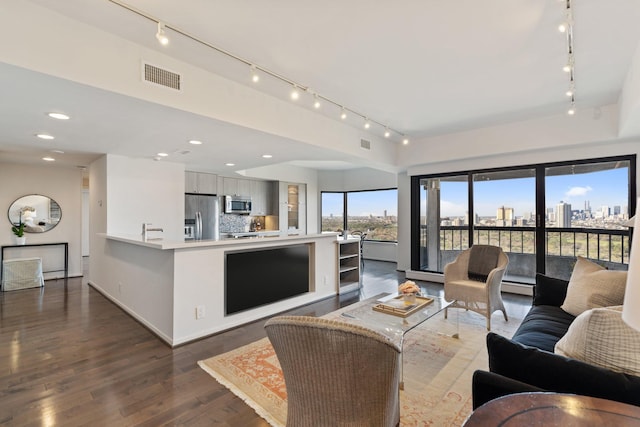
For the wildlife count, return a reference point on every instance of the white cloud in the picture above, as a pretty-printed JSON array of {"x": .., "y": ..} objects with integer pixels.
[
  {"x": 578, "y": 191},
  {"x": 451, "y": 209}
]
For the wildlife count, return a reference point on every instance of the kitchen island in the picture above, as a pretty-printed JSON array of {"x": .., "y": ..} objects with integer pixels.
[{"x": 185, "y": 290}]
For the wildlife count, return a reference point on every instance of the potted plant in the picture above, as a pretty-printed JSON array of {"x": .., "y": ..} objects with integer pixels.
[{"x": 18, "y": 230}]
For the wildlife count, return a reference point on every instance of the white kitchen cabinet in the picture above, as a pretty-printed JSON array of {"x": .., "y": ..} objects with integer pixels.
[
  {"x": 259, "y": 198},
  {"x": 200, "y": 183},
  {"x": 244, "y": 187}
]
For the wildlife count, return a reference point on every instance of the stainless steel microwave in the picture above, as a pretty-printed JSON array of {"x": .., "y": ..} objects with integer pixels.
[{"x": 237, "y": 205}]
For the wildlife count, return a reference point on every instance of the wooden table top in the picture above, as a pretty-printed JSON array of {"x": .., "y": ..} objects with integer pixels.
[{"x": 553, "y": 409}]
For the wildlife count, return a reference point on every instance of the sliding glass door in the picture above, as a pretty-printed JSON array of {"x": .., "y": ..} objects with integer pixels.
[
  {"x": 542, "y": 216},
  {"x": 444, "y": 220},
  {"x": 504, "y": 205},
  {"x": 586, "y": 207}
]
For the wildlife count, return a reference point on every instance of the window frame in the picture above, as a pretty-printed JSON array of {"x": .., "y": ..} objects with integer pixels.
[
  {"x": 345, "y": 218},
  {"x": 539, "y": 202}
]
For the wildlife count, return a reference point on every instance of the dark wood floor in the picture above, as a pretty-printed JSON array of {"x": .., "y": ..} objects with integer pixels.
[{"x": 69, "y": 357}]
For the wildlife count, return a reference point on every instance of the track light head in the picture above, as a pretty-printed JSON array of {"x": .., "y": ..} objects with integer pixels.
[
  {"x": 343, "y": 114},
  {"x": 295, "y": 95},
  {"x": 316, "y": 101},
  {"x": 255, "y": 77},
  {"x": 161, "y": 36},
  {"x": 367, "y": 125},
  {"x": 387, "y": 134}
]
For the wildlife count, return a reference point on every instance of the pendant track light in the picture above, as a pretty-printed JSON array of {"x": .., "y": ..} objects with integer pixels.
[
  {"x": 255, "y": 77},
  {"x": 295, "y": 95},
  {"x": 567, "y": 28},
  {"x": 161, "y": 36}
]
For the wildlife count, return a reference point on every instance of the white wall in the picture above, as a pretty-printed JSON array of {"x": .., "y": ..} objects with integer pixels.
[
  {"x": 64, "y": 185},
  {"x": 125, "y": 193},
  {"x": 144, "y": 190}
]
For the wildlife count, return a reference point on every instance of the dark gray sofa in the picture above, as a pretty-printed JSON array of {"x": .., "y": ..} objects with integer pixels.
[{"x": 526, "y": 362}]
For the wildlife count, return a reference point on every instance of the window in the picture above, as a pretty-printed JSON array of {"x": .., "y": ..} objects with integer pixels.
[
  {"x": 373, "y": 212},
  {"x": 543, "y": 216},
  {"x": 332, "y": 211}
]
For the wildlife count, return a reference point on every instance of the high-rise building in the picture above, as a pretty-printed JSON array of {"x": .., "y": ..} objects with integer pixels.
[
  {"x": 563, "y": 215},
  {"x": 504, "y": 216}
]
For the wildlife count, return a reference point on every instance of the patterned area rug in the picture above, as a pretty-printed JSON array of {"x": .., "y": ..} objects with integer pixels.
[{"x": 437, "y": 370}]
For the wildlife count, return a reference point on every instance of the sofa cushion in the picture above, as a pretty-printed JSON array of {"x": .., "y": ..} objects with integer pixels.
[
  {"x": 593, "y": 286},
  {"x": 543, "y": 326},
  {"x": 549, "y": 290},
  {"x": 600, "y": 337},
  {"x": 557, "y": 373}
]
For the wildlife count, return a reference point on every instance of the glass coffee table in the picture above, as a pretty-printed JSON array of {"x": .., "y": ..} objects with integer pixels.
[{"x": 395, "y": 327}]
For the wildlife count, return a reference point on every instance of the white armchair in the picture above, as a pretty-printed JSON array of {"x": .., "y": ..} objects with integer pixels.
[{"x": 481, "y": 292}]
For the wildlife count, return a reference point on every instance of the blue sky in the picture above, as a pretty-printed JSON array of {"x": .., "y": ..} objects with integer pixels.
[
  {"x": 362, "y": 203},
  {"x": 599, "y": 188}
]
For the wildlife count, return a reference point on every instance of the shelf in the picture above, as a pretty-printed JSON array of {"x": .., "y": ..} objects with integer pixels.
[{"x": 348, "y": 265}]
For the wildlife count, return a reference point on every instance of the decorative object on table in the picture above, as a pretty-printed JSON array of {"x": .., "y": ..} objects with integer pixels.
[
  {"x": 398, "y": 306},
  {"x": 409, "y": 288},
  {"x": 18, "y": 231}
]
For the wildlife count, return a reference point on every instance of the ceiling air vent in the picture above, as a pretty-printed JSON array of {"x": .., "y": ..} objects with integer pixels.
[
  {"x": 365, "y": 144},
  {"x": 160, "y": 76}
]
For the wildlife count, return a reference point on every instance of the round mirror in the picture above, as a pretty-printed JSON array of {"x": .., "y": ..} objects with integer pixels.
[{"x": 38, "y": 213}]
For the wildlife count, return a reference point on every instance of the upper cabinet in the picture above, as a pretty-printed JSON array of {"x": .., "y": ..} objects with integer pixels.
[
  {"x": 201, "y": 183},
  {"x": 293, "y": 207}
]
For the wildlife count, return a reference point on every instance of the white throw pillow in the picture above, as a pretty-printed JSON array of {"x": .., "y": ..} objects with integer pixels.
[
  {"x": 600, "y": 337},
  {"x": 593, "y": 286}
]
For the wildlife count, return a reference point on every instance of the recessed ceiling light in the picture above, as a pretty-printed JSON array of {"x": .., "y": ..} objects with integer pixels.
[
  {"x": 229, "y": 164},
  {"x": 58, "y": 116},
  {"x": 405, "y": 141},
  {"x": 267, "y": 156},
  {"x": 162, "y": 154},
  {"x": 48, "y": 159},
  {"x": 195, "y": 142},
  {"x": 57, "y": 151},
  {"x": 44, "y": 136}
]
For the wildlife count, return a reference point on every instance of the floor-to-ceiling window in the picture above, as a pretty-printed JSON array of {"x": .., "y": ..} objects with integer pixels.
[
  {"x": 372, "y": 211},
  {"x": 543, "y": 216}
]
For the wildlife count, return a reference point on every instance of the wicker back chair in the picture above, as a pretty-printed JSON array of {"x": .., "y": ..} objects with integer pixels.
[
  {"x": 479, "y": 294},
  {"x": 336, "y": 374}
]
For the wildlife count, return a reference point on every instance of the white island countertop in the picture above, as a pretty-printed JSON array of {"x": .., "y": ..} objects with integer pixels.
[{"x": 162, "y": 244}]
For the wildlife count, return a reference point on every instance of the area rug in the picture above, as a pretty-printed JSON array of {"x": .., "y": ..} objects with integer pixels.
[{"x": 437, "y": 370}]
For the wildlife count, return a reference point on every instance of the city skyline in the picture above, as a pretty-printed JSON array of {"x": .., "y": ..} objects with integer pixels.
[{"x": 602, "y": 188}]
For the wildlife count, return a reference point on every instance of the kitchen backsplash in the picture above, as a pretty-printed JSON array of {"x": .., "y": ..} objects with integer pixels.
[{"x": 234, "y": 223}]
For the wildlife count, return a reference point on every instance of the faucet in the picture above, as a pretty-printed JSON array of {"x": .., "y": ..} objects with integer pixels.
[{"x": 146, "y": 227}]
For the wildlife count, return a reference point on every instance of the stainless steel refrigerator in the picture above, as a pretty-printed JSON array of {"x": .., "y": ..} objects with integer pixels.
[{"x": 203, "y": 212}]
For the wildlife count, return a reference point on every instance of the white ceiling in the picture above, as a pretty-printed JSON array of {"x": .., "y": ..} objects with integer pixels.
[{"x": 422, "y": 67}]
